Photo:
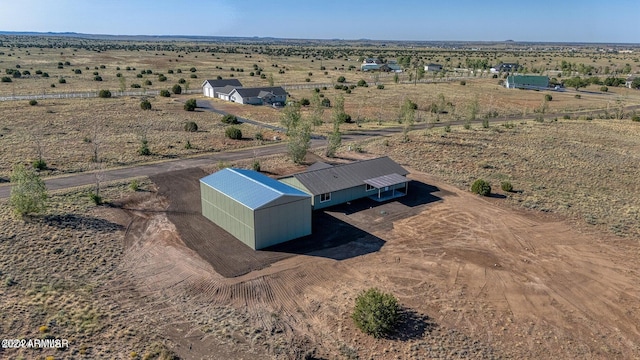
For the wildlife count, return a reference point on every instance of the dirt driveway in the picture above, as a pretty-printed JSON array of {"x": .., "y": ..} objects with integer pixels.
[{"x": 481, "y": 280}]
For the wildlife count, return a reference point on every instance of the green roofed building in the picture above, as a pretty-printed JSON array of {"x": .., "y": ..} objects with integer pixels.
[
  {"x": 526, "y": 82},
  {"x": 254, "y": 208}
]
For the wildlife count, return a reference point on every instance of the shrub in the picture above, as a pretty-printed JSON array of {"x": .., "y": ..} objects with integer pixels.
[
  {"x": 381, "y": 87},
  {"x": 33, "y": 102},
  {"x": 230, "y": 119},
  {"x": 170, "y": 71},
  {"x": 95, "y": 198},
  {"x": 193, "y": 69},
  {"x": 6, "y": 79},
  {"x": 362, "y": 82},
  {"x": 635, "y": 118},
  {"x": 341, "y": 79},
  {"x": 305, "y": 102},
  {"x": 604, "y": 89},
  {"x": 139, "y": 76},
  {"x": 45, "y": 75},
  {"x": 97, "y": 78},
  {"x": 326, "y": 102},
  {"x": 39, "y": 164},
  {"x": 548, "y": 97},
  {"x": 259, "y": 136},
  {"x": 194, "y": 76},
  {"x": 190, "y": 105},
  {"x": 148, "y": 82},
  {"x": 77, "y": 71},
  {"x": 145, "y": 104},
  {"x": 506, "y": 186},
  {"x": 188, "y": 145},
  {"x": 62, "y": 81},
  {"x": 176, "y": 89},
  {"x": 119, "y": 75},
  {"x": 376, "y": 313},
  {"x": 144, "y": 148},
  {"x": 162, "y": 78},
  {"x": 190, "y": 126},
  {"x": 135, "y": 185},
  {"x": 463, "y": 83},
  {"x": 578, "y": 96},
  {"x": 28, "y": 192},
  {"x": 105, "y": 94},
  {"x": 182, "y": 81},
  {"x": 256, "y": 165},
  {"x": 481, "y": 187},
  {"x": 233, "y": 132},
  {"x": 566, "y": 117},
  {"x": 165, "y": 93},
  {"x": 135, "y": 86}
]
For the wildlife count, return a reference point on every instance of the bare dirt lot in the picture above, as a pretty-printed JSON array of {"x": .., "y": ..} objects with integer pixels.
[{"x": 476, "y": 279}]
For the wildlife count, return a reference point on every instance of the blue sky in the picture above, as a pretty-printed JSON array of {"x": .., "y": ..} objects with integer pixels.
[{"x": 612, "y": 21}]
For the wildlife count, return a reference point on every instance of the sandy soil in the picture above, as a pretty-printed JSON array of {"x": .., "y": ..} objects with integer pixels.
[{"x": 476, "y": 279}]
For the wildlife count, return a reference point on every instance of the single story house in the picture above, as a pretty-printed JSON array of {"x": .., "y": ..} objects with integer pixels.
[
  {"x": 433, "y": 67},
  {"x": 370, "y": 64},
  {"x": 526, "y": 82},
  {"x": 379, "y": 178},
  {"x": 505, "y": 67},
  {"x": 254, "y": 208},
  {"x": 259, "y": 96},
  {"x": 210, "y": 88}
]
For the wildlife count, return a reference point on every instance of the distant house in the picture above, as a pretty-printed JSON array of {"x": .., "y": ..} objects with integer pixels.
[
  {"x": 210, "y": 88},
  {"x": 258, "y": 96},
  {"x": 370, "y": 64},
  {"x": 379, "y": 179},
  {"x": 505, "y": 67},
  {"x": 526, "y": 82},
  {"x": 433, "y": 67}
]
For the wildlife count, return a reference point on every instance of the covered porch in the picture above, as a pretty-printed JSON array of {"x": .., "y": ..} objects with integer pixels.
[{"x": 387, "y": 188}]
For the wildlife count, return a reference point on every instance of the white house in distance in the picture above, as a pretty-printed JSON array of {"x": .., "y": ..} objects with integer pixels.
[
  {"x": 433, "y": 67},
  {"x": 259, "y": 96},
  {"x": 210, "y": 88}
]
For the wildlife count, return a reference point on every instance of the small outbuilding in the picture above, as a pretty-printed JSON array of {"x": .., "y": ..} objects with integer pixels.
[
  {"x": 254, "y": 208},
  {"x": 211, "y": 88},
  {"x": 533, "y": 82}
]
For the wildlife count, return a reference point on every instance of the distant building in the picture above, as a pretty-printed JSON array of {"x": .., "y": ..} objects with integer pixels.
[
  {"x": 433, "y": 67},
  {"x": 259, "y": 96},
  {"x": 526, "y": 82},
  {"x": 210, "y": 88},
  {"x": 505, "y": 67},
  {"x": 370, "y": 64}
]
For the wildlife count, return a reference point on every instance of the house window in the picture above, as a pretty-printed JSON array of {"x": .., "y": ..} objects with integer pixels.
[
  {"x": 370, "y": 188},
  {"x": 325, "y": 197}
]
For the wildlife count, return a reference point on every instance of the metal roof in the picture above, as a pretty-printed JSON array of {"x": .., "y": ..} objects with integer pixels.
[
  {"x": 319, "y": 165},
  {"x": 261, "y": 91},
  {"x": 250, "y": 188},
  {"x": 344, "y": 176},
  {"x": 222, "y": 82},
  {"x": 386, "y": 180}
]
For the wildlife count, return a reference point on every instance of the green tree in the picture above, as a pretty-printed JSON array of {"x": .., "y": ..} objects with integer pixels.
[
  {"x": 317, "y": 109},
  {"x": 290, "y": 117},
  {"x": 407, "y": 117},
  {"x": 145, "y": 104},
  {"x": 299, "y": 141},
  {"x": 176, "y": 89},
  {"x": 28, "y": 192},
  {"x": 474, "y": 108},
  {"x": 104, "y": 94},
  {"x": 376, "y": 313},
  {"x": 233, "y": 133},
  {"x": 576, "y": 82},
  {"x": 190, "y": 105},
  {"x": 481, "y": 187}
]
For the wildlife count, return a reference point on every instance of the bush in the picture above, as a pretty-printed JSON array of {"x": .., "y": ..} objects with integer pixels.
[
  {"x": 145, "y": 104},
  {"x": 233, "y": 132},
  {"x": 256, "y": 165},
  {"x": 194, "y": 76},
  {"x": 481, "y": 187},
  {"x": 77, "y": 71},
  {"x": 28, "y": 192},
  {"x": 33, "y": 102},
  {"x": 148, "y": 82},
  {"x": 506, "y": 186},
  {"x": 230, "y": 119},
  {"x": 566, "y": 117},
  {"x": 62, "y": 81},
  {"x": 604, "y": 89},
  {"x": 162, "y": 78},
  {"x": 548, "y": 97},
  {"x": 135, "y": 185},
  {"x": 193, "y": 69},
  {"x": 190, "y": 105},
  {"x": 326, "y": 102},
  {"x": 144, "y": 148},
  {"x": 362, "y": 82},
  {"x": 635, "y": 118},
  {"x": 6, "y": 79},
  {"x": 176, "y": 89},
  {"x": 259, "y": 136},
  {"x": 376, "y": 313},
  {"x": 380, "y": 87},
  {"x": 305, "y": 102},
  {"x": 97, "y": 78},
  {"x": 190, "y": 126},
  {"x": 578, "y": 96},
  {"x": 105, "y": 94},
  {"x": 95, "y": 198},
  {"x": 165, "y": 93},
  {"x": 341, "y": 79},
  {"x": 39, "y": 164},
  {"x": 463, "y": 83},
  {"x": 182, "y": 81},
  {"x": 135, "y": 86}
]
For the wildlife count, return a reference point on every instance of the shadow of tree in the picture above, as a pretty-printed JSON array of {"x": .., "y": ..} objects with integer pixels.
[
  {"x": 79, "y": 222},
  {"x": 411, "y": 326}
]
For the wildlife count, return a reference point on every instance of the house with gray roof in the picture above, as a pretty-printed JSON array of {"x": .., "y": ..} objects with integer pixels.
[
  {"x": 379, "y": 179},
  {"x": 211, "y": 88},
  {"x": 259, "y": 95}
]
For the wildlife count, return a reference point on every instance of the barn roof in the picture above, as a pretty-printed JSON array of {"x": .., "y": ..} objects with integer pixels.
[
  {"x": 344, "y": 176},
  {"x": 251, "y": 188},
  {"x": 222, "y": 82}
]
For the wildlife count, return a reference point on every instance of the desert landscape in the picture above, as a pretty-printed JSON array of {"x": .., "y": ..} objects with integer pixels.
[{"x": 547, "y": 268}]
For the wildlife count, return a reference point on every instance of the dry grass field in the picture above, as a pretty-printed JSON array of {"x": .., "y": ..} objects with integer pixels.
[{"x": 550, "y": 268}]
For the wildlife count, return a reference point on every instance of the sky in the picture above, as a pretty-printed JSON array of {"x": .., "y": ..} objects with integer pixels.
[{"x": 612, "y": 21}]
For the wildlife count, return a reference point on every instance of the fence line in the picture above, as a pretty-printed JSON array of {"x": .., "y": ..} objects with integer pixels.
[{"x": 86, "y": 95}]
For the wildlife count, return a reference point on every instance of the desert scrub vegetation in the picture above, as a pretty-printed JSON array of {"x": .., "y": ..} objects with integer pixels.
[
  {"x": 28, "y": 193},
  {"x": 376, "y": 313},
  {"x": 481, "y": 187},
  {"x": 576, "y": 169}
]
